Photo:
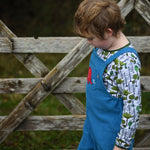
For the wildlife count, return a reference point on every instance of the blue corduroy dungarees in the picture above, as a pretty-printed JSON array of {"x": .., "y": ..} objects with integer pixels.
[{"x": 104, "y": 112}]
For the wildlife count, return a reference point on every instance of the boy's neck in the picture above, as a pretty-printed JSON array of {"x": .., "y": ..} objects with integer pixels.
[{"x": 119, "y": 41}]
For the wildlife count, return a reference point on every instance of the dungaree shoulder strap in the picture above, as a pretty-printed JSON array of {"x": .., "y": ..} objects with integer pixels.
[{"x": 122, "y": 51}]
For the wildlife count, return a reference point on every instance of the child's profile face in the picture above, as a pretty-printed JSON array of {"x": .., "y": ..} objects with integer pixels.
[{"x": 98, "y": 42}]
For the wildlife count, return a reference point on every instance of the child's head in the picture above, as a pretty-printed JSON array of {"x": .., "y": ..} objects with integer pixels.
[{"x": 96, "y": 16}]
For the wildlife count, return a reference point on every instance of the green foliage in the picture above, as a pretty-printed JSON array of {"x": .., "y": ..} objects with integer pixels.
[
  {"x": 126, "y": 92},
  {"x": 42, "y": 140},
  {"x": 131, "y": 96},
  {"x": 45, "y": 140},
  {"x": 115, "y": 88},
  {"x": 135, "y": 76},
  {"x": 130, "y": 123},
  {"x": 136, "y": 68},
  {"x": 116, "y": 61},
  {"x": 127, "y": 115},
  {"x": 119, "y": 81}
]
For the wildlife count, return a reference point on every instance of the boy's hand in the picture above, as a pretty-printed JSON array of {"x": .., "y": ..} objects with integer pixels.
[{"x": 117, "y": 148}]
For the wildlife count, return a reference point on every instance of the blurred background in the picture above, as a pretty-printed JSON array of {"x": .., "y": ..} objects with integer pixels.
[
  {"x": 53, "y": 18},
  {"x": 49, "y": 18}
]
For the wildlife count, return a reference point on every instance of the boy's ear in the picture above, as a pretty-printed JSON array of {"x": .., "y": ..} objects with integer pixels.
[{"x": 109, "y": 31}]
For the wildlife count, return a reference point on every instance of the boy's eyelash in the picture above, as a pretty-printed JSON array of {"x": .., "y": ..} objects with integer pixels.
[{"x": 91, "y": 38}]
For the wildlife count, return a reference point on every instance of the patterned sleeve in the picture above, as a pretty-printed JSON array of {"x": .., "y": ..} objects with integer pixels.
[{"x": 129, "y": 84}]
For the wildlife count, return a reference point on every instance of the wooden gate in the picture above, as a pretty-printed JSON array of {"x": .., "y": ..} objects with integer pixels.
[{"x": 55, "y": 81}]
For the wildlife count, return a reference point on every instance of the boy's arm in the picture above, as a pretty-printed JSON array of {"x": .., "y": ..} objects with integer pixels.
[{"x": 130, "y": 88}]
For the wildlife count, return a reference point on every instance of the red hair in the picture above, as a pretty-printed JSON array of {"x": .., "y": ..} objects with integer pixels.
[{"x": 96, "y": 16}]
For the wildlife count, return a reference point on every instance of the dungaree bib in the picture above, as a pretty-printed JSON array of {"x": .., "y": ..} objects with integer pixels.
[{"x": 103, "y": 111}]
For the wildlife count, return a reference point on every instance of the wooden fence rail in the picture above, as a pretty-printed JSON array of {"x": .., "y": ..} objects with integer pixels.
[
  {"x": 67, "y": 122},
  {"x": 58, "y": 44},
  {"x": 68, "y": 85},
  {"x": 56, "y": 80}
]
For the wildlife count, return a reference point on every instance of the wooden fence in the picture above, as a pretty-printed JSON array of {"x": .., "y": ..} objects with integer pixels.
[{"x": 55, "y": 81}]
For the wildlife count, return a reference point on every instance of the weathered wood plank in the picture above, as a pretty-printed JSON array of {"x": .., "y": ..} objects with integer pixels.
[
  {"x": 143, "y": 8},
  {"x": 145, "y": 138},
  {"x": 18, "y": 85},
  {"x": 44, "y": 88},
  {"x": 27, "y": 56},
  {"x": 5, "y": 45},
  {"x": 145, "y": 83},
  {"x": 45, "y": 44},
  {"x": 24, "y": 85},
  {"x": 139, "y": 42},
  {"x": 46, "y": 123},
  {"x": 126, "y": 7},
  {"x": 59, "y": 45},
  {"x": 72, "y": 103},
  {"x": 72, "y": 85},
  {"x": 63, "y": 122},
  {"x": 68, "y": 85},
  {"x": 33, "y": 64},
  {"x": 144, "y": 121},
  {"x": 5, "y": 31}
]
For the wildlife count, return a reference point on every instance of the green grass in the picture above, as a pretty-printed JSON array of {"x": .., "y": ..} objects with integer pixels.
[
  {"x": 46, "y": 140},
  {"x": 39, "y": 140},
  {"x": 43, "y": 140},
  {"x": 145, "y": 103}
]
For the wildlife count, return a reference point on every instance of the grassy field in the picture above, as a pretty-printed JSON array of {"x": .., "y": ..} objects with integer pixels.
[{"x": 11, "y": 68}]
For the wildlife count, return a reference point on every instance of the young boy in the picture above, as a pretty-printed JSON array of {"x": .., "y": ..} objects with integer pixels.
[{"x": 113, "y": 96}]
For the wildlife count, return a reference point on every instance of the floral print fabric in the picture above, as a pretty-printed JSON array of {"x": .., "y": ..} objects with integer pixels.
[{"x": 122, "y": 79}]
